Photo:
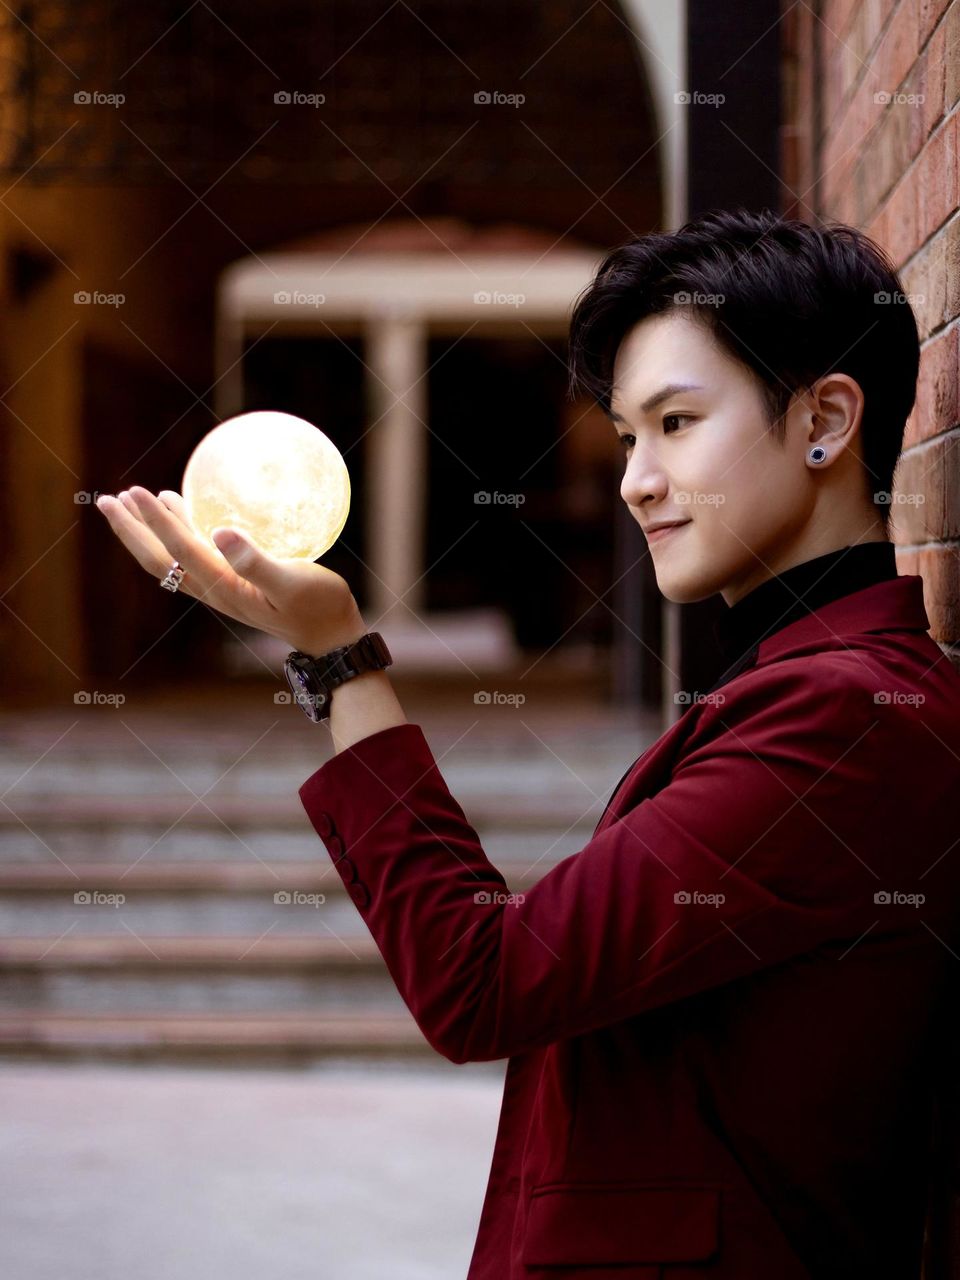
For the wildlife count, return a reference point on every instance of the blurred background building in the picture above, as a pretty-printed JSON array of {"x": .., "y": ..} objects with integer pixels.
[
  {"x": 364, "y": 214},
  {"x": 377, "y": 216}
]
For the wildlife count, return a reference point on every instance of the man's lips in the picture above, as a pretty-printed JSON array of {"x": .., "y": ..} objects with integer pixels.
[{"x": 654, "y": 535}]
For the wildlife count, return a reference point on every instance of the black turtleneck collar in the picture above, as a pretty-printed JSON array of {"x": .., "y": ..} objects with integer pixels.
[{"x": 798, "y": 591}]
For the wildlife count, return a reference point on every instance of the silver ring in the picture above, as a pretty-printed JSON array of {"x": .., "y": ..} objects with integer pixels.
[{"x": 174, "y": 577}]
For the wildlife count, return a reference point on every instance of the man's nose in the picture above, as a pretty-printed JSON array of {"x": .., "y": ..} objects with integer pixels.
[{"x": 643, "y": 480}]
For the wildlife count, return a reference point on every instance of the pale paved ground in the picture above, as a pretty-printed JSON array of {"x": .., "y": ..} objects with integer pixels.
[{"x": 342, "y": 1173}]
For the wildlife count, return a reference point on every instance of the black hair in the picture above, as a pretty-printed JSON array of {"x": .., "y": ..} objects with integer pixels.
[{"x": 789, "y": 300}]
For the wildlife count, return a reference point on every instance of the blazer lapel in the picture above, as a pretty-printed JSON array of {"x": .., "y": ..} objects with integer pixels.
[
  {"x": 893, "y": 605},
  {"x": 648, "y": 773}
]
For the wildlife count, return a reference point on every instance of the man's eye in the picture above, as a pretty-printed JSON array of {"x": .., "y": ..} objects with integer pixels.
[
  {"x": 627, "y": 441},
  {"x": 676, "y": 417}
]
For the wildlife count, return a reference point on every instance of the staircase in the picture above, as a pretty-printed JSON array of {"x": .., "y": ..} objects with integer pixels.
[{"x": 163, "y": 896}]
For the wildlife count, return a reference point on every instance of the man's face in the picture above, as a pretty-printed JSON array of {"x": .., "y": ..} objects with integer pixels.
[{"x": 715, "y": 465}]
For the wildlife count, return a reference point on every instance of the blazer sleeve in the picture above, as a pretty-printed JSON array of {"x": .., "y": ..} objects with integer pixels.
[{"x": 758, "y": 849}]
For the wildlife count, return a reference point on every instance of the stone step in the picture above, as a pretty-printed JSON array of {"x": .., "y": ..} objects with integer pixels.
[
  {"x": 556, "y": 806},
  {"x": 151, "y": 898},
  {"x": 235, "y": 878},
  {"x": 131, "y": 842},
  {"x": 195, "y": 818},
  {"x": 518, "y": 769},
  {"x": 303, "y": 911},
  {"x": 224, "y": 1038},
  {"x": 128, "y": 974},
  {"x": 148, "y": 876},
  {"x": 229, "y": 954}
]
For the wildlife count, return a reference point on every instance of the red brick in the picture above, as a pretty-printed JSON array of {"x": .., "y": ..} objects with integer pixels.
[
  {"x": 925, "y": 508},
  {"x": 951, "y": 57},
  {"x": 853, "y": 50},
  {"x": 899, "y": 47},
  {"x": 915, "y": 87},
  {"x": 936, "y": 180},
  {"x": 939, "y": 566},
  {"x": 865, "y": 28},
  {"x": 926, "y": 278},
  {"x": 882, "y": 160},
  {"x": 911, "y": 428},
  {"x": 837, "y": 15},
  {"x": 931, "y": 11},
  {"x": 951, "y": 235},
  {"x": 938, "y": 389},
  {"x": 896, "y": 227},
  {"x": 934, "y": 78}
]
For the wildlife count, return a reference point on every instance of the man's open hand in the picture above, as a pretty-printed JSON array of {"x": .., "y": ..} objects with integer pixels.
[{"x": 308, "y": 606}]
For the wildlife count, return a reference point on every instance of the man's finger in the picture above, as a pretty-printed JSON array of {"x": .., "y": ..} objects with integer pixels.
[
  {"x": 145, "y": 547},
  {"x": 263, "y": 571},
  {"x": 205, "y": 566},
  {"x": 174, "y": 503},
  {"x": 212, "y": 579},
  {"x": 239, "y": 599}
]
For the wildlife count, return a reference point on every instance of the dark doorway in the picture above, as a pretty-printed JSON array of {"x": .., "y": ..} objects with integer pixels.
[
  {"x": 320, "y": 379},
  {"x": 506, "y": 524}
]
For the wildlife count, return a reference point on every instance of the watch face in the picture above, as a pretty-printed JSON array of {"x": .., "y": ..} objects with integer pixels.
[
  {"x": 312, "y": 680},
  {"x": 311, "y": 700}
]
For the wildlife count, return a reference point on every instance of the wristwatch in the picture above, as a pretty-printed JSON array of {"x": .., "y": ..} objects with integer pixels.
[{"x": 313, "y": 680}]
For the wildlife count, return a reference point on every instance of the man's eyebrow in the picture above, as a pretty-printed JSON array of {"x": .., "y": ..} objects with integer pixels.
[{"x": 658, "y": 397}]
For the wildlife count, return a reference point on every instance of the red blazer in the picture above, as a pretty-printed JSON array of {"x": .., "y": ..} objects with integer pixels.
[{"x": 721, "y": 1014}]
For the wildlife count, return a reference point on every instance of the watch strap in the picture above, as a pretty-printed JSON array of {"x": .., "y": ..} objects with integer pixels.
[{"x": 313, "y": 679}]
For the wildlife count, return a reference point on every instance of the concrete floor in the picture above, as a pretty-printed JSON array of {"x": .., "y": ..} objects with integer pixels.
[{"x": 342, "y": 1172}]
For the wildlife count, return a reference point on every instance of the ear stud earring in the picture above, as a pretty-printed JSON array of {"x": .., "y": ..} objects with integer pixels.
[{"x": 817, "y": 453}]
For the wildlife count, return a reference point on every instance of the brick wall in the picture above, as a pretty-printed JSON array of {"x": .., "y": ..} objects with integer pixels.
[{"x": 871, "y": 137}]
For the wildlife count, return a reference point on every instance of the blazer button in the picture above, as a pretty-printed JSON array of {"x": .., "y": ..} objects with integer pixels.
[
  {"x": 359, "y": 893},
  {"x": 335, "y": 845},
  {"x": 324, "y": 824},
  {"x": 347, "y": 869}
]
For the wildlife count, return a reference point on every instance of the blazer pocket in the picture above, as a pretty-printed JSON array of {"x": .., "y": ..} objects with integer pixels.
[{"x": 570, "y": 1224}]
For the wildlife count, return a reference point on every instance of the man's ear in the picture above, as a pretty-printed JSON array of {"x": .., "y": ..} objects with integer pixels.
[{"x": 836, "y": 410}]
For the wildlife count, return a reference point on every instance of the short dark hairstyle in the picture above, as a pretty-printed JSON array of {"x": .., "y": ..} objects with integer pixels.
[{"x": 798, "y": 301}]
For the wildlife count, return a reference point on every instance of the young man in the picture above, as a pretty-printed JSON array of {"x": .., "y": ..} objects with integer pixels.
[{"x": 721, "y": 1016}]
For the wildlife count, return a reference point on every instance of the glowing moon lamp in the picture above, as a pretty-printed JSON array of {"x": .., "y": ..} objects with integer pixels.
[{"x": 275, "y": 477}]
